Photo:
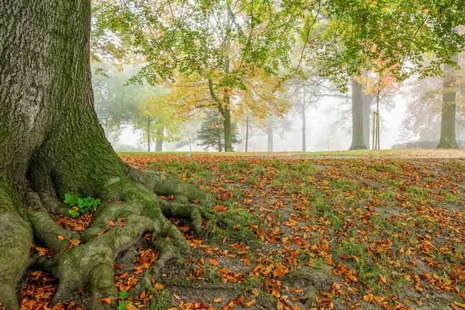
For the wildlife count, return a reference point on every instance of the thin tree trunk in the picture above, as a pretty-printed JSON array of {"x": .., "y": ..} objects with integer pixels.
[
  {"x": 219, "y": 139},
  {"x": 148, "y": 133},
  {"x": 378, "y": 129},
  {"x": 358, "y": 121},
  {"x": 366, "y": 112},
  {"x": 304, "y": 123},
  {"x": 247, "y": 133},
  {"x": 227, "y": 129},
  {"x": 448, "y": 139},
  {"x": 269, "y": 134},
  {"x": 160, "y": 139}
]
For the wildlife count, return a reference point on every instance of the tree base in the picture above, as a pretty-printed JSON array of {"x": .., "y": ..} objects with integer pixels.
[{"x": 132, "y": 207}]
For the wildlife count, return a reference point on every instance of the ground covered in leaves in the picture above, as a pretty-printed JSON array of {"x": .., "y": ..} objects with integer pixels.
[{"x": 322, "y": 233}]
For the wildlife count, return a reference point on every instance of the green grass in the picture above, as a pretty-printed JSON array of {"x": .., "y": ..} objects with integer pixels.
[{"x": 373, "y": 216}]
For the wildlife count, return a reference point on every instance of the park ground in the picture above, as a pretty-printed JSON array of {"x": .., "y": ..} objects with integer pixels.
[{"x": 327, "y": 230}]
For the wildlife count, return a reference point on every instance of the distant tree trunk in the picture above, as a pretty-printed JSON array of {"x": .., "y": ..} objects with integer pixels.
[
  {"x": 160, "y": 139},
  {"x": 247, "y": 133},
  {"x": 149, "y": 138},
  {"x": 220, "y": 140},
  {"x": 358, "y": 121},
  {"x": 227, "y": 129},
  {"x": 448, "y": 138},
  {"x": 366, "y": 112},
  {"x": 269, "y": 134},
  {"x": 304, "y": 123}
]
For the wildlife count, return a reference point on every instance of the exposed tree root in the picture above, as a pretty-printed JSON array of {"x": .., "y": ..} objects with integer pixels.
[
  {"x": 132, "y": 207},
  {"x": 15, "y": 241}
]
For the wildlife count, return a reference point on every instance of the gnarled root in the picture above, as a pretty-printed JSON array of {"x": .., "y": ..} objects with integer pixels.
[
  {"x": 15, "y": 242},
  {"x": 132, "y": 208}
]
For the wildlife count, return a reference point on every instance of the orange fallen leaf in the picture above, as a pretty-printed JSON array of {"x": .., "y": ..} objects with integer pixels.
[
  {"x": 213, "y": 262},
  {"x": 61, "y": 237},
  {"x": 75, "y": 242},
  {"x": 220, "y": 208},
  {"x": 105, "y": 300},
  {"x": 249, "y": 304}
]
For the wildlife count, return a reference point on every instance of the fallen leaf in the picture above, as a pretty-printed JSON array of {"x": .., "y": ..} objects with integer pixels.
[
  {"x": 106, "y": 300},
  {"x": 213, "y": 262}
]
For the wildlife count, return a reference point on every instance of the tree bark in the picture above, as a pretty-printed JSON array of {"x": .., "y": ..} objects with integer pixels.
[
  {"x": 448, "y": 139},
  {"x": 160, "y": 139},
  {"x": 358, "y": 120},
  {"x": 51, "y": 143},
  {"x": 227, "y": 129}
]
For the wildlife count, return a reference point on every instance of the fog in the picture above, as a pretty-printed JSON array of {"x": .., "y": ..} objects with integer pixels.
[{"x": 328, "y": 129}]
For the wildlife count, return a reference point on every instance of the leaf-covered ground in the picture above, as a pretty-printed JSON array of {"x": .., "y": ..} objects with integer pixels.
[{"x": 312, "y": 232}]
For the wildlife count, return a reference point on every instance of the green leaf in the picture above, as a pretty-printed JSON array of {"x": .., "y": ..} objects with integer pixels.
[
  {"x": 70, "y": 200},
  {"x": 123, "y": 294},
  {"x": 73, "y": 213}
]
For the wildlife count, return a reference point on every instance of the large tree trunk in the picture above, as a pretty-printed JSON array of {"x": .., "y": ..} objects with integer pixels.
[
  {"x": 448, "y": 138},
  {"x": 51, "y": 143},
  {"x": 358, "y": 121}
]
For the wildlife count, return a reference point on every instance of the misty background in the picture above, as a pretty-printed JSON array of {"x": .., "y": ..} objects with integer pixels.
[{"x": 409, "y": 117}]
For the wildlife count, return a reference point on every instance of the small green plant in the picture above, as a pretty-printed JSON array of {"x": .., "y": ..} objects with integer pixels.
[
  {"x": 123, "y": 304},
  {"x": 80, "y": 205}
]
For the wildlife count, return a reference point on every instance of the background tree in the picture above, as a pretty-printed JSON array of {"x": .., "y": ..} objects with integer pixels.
[
  {"x": 379, "y": 83},
  {"x": 422, "y": 122},
  {"x": 224, "y": 43},
  {"x": 211, "y": 134},
  {"x": 115, "y": 101},
  {"x": 158, "y": 118},
  {"x": 448, "y": 139},
  {"x": 361, "y": 102}
]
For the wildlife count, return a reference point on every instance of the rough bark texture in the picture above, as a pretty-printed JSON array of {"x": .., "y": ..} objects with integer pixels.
[
  {"x": 448, "y": 138},
  {"x": 358, "y": 121},
  {"x": 51, "y": 143}
]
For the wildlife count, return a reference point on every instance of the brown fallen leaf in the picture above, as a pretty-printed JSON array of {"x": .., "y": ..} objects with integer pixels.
[{"x": 106, "y": 300}]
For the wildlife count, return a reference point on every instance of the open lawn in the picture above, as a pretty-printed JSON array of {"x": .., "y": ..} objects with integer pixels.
[{"x": 341, "y": 230}]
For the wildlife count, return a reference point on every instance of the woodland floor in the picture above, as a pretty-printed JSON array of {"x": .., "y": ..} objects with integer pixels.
[{"x": 342, "y": 230}]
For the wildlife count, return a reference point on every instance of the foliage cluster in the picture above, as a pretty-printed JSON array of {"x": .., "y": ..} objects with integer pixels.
[{"x": 80, "y": 205}]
